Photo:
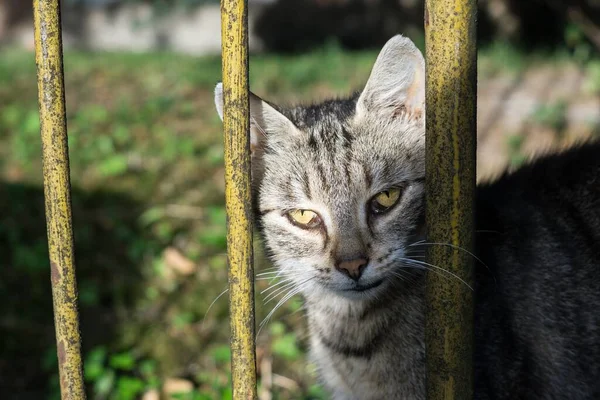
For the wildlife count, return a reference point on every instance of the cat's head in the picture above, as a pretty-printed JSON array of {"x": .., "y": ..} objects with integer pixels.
[{"x": 340, "y": 185}]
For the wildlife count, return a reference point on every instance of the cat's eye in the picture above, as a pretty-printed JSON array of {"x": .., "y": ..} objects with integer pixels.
[
  {"x": 304, "y": 218},
  {"x": 383, "y": 201}
]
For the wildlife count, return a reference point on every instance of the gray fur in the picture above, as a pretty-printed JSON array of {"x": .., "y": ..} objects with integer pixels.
[{"x": 332, "y": 158}]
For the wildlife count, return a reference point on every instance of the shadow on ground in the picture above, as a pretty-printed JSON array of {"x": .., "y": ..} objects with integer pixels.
[{"x": 107, "y": 242}]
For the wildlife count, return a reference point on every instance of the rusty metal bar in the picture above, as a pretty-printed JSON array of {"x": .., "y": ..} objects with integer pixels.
[
  {"x": 234, "y": 36},
  {"x": 57, "y": 193},
  {"x": 451, "y": 95}
]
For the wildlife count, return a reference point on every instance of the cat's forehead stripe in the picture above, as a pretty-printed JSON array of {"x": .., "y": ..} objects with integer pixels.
[
  {"x": 348, "y": 137},
  {"x": 306, "y": 185},
  {"x": 311, "y": 115}
]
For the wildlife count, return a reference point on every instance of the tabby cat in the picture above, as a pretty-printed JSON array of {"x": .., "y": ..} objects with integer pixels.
[{"x": 339, "y": 190}]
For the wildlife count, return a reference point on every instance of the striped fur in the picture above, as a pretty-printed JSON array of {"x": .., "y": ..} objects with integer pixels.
[{"x": 332, "y": 158}]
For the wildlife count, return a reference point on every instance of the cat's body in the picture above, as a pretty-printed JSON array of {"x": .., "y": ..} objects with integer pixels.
[
  {"x": 537, "y": 307},
  {"x": 340, "y": 199}
]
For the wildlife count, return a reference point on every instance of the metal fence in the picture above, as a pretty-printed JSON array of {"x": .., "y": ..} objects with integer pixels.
[
  {"x": 57, "y": 194},
  {"x": 451, "y": 101},
  {"x": 450, "y": 177}
]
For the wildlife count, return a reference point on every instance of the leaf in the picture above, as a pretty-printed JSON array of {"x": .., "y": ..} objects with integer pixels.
[
  {"x": 113, "y": 166},
  {"x": 152, "y": 215},
  {"x": 213, "y": 238},
  {"x": 277, "y": 328},
  {"x": 148, "y": 367},
  {"x": 105, "y": 384},
  {"x": 93, "y": 372},
  {"x": 217, "y": 215},
  {"x": 122, "y": 361},
  {"x": 128, "y": 387},
  {"x": 221, "y": 354},
  {"x": 183, "y": 319},
  {"x": 227, "y": 394},
  {"x": 98, "y": 355},
  {"x": 94, "y": 364},
  {"x": 286, "y": 347},
  {"x": 31, "y": 123}
]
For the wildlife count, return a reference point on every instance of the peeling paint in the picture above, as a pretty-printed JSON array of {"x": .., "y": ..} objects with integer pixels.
[{"x": 54, "y": 273}]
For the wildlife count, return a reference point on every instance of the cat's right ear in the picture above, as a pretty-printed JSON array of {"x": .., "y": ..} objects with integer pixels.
[{"x": 264, "y": 119}]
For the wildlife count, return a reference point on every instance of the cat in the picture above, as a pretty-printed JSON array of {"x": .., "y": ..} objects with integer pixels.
[{"x": 339, "y": 189}]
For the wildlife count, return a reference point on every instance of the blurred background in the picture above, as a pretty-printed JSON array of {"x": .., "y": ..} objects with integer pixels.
[{"x": 147, "y": 169}]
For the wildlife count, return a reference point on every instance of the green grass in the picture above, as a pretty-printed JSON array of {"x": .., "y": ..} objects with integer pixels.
[{"x": 146, "y": 157}]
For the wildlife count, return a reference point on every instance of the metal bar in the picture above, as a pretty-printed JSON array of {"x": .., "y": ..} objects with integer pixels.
[
  {"x": 451, "y": 95},
  {"x": 57, "y": 187},
  {"x": 234, "y": 37}
]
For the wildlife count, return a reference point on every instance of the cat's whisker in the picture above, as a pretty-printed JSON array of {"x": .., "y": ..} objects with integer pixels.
[
  {"x": 212, "y": 304},
  {"x": 442, "y": 272},
  {"x": 488, "y": 231},
  {"x": 278, "y": 283},
  {"x": 299, "y": 286},
  {"x": 277, "y": 292},
  {"x": 425, "y": 264},
  {"x": 277, "y": 273},
  {"x": 423, "y": 243},
  {"x": 421, "y": 267},
  {"x": 266, "y": 275},
  {"x": 406, "y": 275},
  {"x": 285, "y": 298},
  {"x": 274, "y": 277},
  {"x": 417, "y": 255},
  {"x": 286, "y": 273},
  {"x": 288, "y": 296},
  {"x": 410, "y": 276},
  {"x": 398, "y": 275},
  {"x": 260, "y": 128},
  {"x": 268, "y": 271},
  {"x": 259, "y": 276}
]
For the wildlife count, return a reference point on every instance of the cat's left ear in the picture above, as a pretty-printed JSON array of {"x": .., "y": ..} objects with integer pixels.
[{"x": 396, "y": 85}]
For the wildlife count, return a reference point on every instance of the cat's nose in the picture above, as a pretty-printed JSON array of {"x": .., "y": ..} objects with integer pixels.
[{"x": 353, "y": 268}]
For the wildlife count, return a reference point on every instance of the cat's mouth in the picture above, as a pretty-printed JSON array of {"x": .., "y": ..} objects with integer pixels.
[{"x": 363, "y": 288}]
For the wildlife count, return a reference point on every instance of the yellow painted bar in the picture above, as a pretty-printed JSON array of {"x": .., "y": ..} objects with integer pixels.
[
  {"x": 51, "y": 92},
  {"x": 234, "y": 36},
  {"x": 451, "y": 95}
]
